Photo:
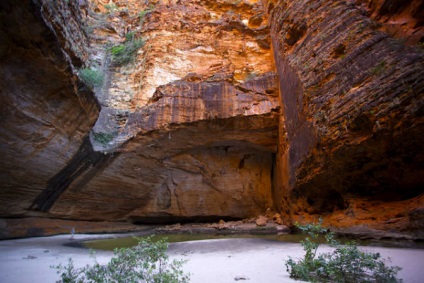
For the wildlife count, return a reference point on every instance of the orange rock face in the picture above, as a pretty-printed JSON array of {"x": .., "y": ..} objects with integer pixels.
[
  {"x": 187, "y": 128},
  {"x": 207, "y": 46},
  {"x": 202, "y": 118}
]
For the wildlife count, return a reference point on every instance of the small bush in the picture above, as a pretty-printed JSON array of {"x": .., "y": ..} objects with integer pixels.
[
  {"x": 116, "y": 50},
  {"x": 111, "y": 7},
  {"x": 143, "y": 13},
  {"x": 103, "y": 138},
  {"x": 91, "y": 77},
  {"x": 130, "y": 36},
  {"x": 346, "y": 264},
  {"x": 125, "y": 53},
  {"x": 145, "y": 263}
]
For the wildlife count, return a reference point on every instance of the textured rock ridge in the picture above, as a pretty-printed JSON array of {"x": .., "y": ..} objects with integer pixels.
[
  {"x": 398, "y": 18},
  {"x": 352, "y": 99}
]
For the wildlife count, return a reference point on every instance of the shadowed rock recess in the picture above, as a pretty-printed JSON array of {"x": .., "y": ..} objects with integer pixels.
[{"x": 200, "y": 110}]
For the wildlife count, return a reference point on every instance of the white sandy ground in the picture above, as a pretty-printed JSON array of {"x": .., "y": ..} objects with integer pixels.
[{"x": 255, "y": 260}]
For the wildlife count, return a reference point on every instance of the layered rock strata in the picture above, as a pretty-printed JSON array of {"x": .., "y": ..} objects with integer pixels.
[{"x": 352, "y": 99}]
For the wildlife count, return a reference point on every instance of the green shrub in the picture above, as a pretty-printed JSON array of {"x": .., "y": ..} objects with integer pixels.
[
  {"x": 143, "y": 13},
  {"x": 116, "y": 50},
  {"x": 130, "y": 36},
  {"x": 147, "y": 262},
  {"x": 91, "y": 77},
  {"x": 346, "y": 264},
  {"x": 125, "y": 53},
  {"x": 111, "y": 7},
  {"x": 103, "y": 138}
]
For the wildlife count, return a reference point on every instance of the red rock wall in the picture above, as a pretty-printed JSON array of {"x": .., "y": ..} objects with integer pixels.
[
  {"x": 398, "y": 18},
  {"x": 352, "y": 98}
]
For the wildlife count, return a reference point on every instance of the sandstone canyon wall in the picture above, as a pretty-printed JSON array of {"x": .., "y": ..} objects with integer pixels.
[
  {"x": 352, "y": 97},
  {"x": 221, "y": 110}
]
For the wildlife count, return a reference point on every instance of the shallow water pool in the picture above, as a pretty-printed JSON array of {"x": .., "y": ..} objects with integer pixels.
[{"x": 124, "y": 242}]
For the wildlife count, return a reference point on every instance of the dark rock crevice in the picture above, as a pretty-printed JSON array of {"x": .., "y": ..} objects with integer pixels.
[{"x": 86, "y": 164}]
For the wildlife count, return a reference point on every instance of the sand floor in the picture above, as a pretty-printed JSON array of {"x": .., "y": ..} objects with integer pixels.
[{"x": 225, "y": 260}]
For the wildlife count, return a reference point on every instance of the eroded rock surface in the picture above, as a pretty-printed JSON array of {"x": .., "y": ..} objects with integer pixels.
[
  {"x": 352, "y": 99},
  {"x": 398, "y": 18},
  {"x": 188, "y": 128}
]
